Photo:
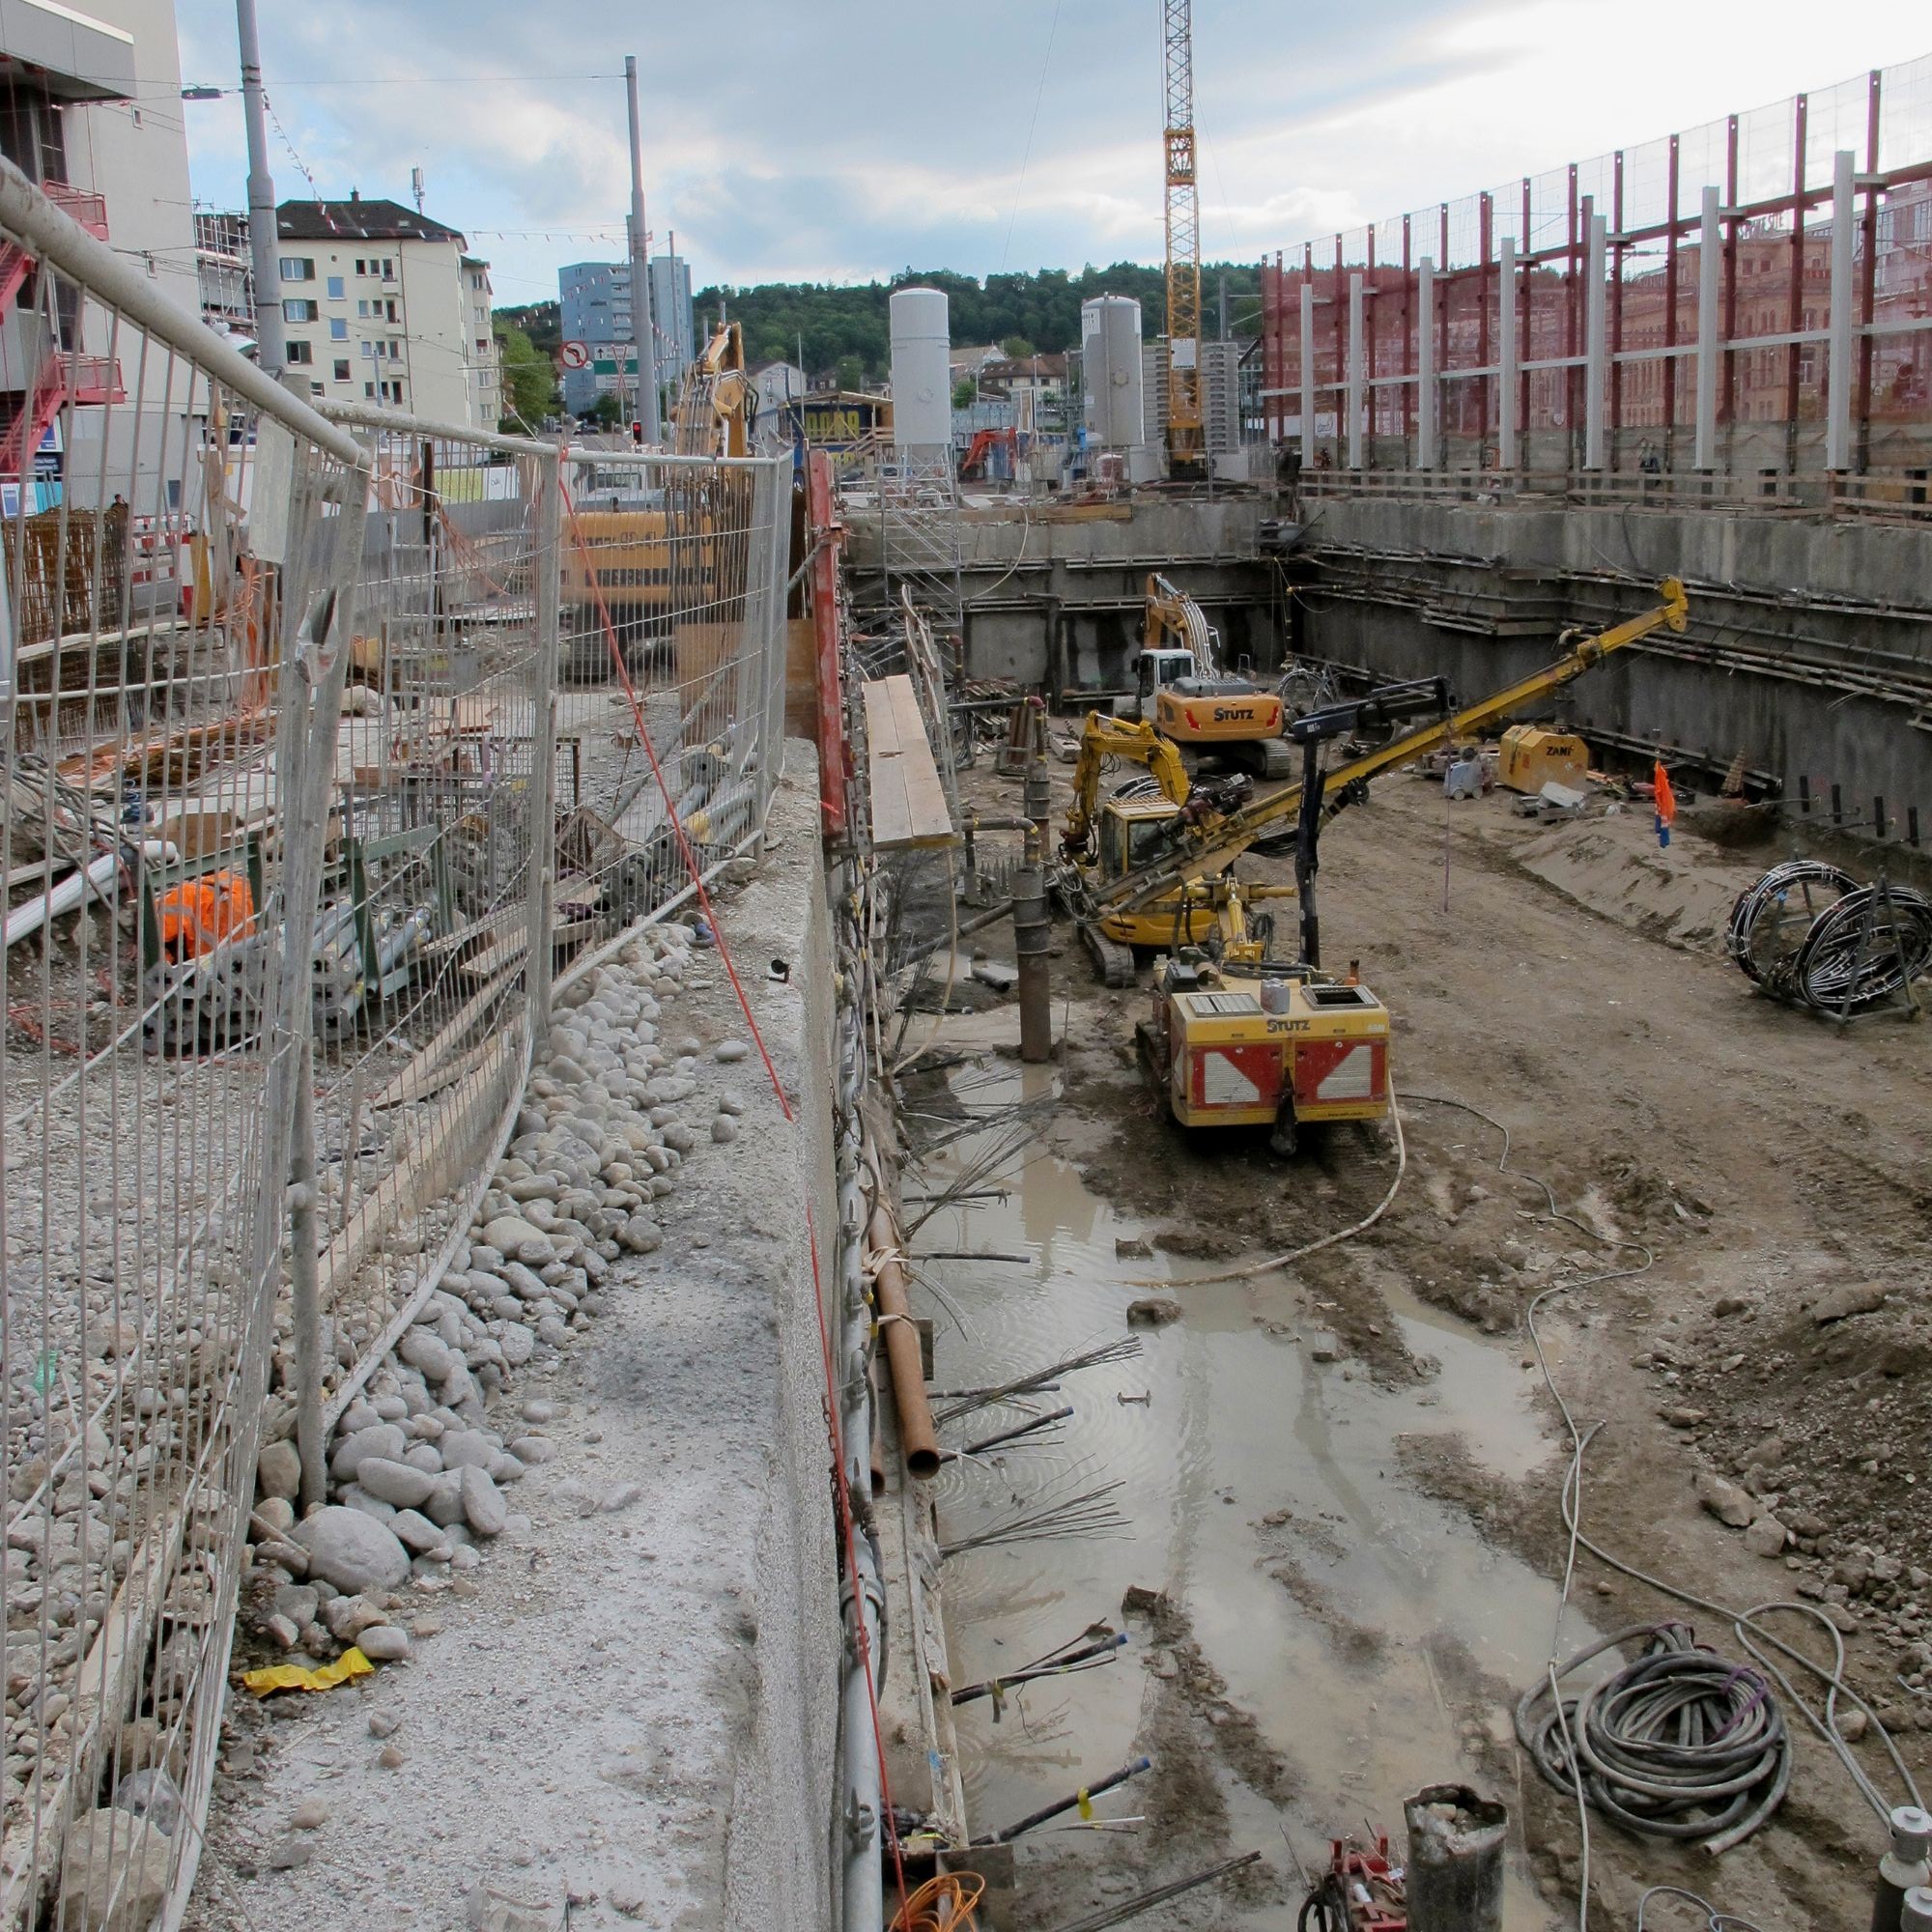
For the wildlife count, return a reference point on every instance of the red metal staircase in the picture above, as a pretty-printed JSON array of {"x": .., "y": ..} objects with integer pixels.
[
  {"x": 81, "y": 380},
  {"x": 90, "y": 210}
]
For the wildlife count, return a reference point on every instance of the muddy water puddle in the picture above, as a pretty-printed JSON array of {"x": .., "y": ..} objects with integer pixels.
[{"x": 1363, "y": 1627}]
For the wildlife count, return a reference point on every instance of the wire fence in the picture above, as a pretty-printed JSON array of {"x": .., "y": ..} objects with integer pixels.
[
  {"x": 1524, "y": 324},
  {"x": 323, "y": 757}
]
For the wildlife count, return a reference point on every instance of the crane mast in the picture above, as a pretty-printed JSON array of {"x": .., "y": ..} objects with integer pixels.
[{"x": 1185, "y": 452}]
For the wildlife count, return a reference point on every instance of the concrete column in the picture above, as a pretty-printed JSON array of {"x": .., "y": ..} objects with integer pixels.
[
  {"x": 1710, "y": 249},
  {"x": 1596, "y": 315},
  {"x": 1307, "y": 373},
  {"x": 1355, "y": 389},
  {"x": 1424, "y": 364},
  {"x": 1839, "y": 363},
  {"x": 1508, "y": 455}
]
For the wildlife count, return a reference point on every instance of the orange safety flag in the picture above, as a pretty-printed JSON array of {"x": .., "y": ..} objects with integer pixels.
[
  {"x": 199, "y": 914},
  {"x": 1666, "y": 804}
]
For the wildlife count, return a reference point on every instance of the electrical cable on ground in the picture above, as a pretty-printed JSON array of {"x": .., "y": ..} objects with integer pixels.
[{"x": 1273, "y": 1262}]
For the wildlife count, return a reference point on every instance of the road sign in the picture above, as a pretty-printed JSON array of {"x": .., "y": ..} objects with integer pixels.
[{"x": 576, "y": 354}]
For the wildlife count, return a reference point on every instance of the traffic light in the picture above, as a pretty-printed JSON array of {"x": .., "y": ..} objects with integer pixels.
[{"x": 636, "y": 436}]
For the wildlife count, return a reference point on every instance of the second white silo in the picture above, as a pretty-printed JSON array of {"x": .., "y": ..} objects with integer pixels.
[
  {"x": 1110, "y": 362},
  {"x": 922, "y": 379}
]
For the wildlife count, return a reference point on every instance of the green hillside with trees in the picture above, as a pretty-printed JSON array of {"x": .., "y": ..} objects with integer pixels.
[
  {"x": 845, "y": 329},
  {"x": 842, "y": 331}
]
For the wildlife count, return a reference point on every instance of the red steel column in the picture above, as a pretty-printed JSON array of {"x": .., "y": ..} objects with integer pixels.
[
  {"x": 1727, "y": 396},
  {"x": 1616, "y": 410},
  {"x": 1796, "y": 315},
  {"x": 1868, "y": 293},
  {"x": 1407, "y": 347},
  {"x": 1671, "y": 312}
]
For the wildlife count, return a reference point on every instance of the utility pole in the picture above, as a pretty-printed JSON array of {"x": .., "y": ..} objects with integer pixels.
[
  {"x": 271, "y": 348},
  {"x": 641, "y": 272}
]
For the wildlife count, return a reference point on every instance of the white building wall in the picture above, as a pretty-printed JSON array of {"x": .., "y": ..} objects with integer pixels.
[{"x": 135, "y": 154}]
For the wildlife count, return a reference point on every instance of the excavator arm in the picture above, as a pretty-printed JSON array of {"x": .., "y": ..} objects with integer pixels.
[
  {"x": 718, "y": 400},
  {"x": 1174, "y": 621},
  {"x": 1129, "y": 738},
  {"x": 1218, "y": 845}
]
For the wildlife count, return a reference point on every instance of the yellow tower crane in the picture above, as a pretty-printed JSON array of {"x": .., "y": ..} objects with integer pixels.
[{"x": 1186, "y": 449}]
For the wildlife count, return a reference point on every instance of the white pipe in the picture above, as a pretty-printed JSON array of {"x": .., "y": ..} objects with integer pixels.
[
  {"x": 1838, "y": 364},
  {"x": 28, "y": 919},
  {"x": 53, "y": 238},
  {"x": 1595, "y": 317},
  {"x": 1506, "y": 357},
  {"x": 1708, "y": 264},
  {"x": 23, "y": 922},
  {"x": 1424, "y": 364},
  {"x": 1307, "y": 372},
  {"x": 1355, "y": 374}
]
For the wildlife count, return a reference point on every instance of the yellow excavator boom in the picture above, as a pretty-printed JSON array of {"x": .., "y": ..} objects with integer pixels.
[
  {"x": 715, "y": 404},
  {"x": 1225, "y": 841},
  {"x": 1130, "y": 738},
  {"x": 1172, "y": 620}
]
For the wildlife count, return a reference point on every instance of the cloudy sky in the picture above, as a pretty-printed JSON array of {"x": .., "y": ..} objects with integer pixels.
[{"x": 844, "y": 139}]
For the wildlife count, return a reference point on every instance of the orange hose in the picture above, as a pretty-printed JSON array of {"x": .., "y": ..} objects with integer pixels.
[{"x": 948, "y": 1903}]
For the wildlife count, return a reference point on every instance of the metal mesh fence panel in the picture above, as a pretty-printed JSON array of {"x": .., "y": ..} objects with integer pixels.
[
  {"x": 671, "y": 671},
  {"x": 174, "y": 620},
  {"x": 433, "y": 938},
  {"x": 291, "y": 860}
]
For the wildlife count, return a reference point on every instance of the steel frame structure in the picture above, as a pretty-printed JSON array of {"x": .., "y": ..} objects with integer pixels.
[{"x": 1468, "y": 335}]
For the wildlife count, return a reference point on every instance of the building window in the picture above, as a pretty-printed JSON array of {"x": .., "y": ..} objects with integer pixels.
[
  {"x": 369, "y": 390},
  {"x": 388, "y": 268},
  {"x": 298, "y": 268},
  {"x": 300, "y": 353},
  {"x": 337, "y": 287},
  {"x": 314, "y": 387},
  {"x": 338, "y": 329},
  {"x": 360, "y": 266},
  {"x": 341, "y": 369},
  {"x": 362, "y": 308},
  {"x": 299, "y": 310}
]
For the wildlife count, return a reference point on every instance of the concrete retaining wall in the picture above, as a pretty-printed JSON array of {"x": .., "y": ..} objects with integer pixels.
[{"x": 1810, "y": 645}]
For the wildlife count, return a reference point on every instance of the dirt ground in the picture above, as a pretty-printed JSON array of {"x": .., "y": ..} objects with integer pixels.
[{"x": 1569, "y": 981}]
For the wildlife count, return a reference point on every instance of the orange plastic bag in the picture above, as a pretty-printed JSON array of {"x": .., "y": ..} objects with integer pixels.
[{"x": 198, "y": 914}]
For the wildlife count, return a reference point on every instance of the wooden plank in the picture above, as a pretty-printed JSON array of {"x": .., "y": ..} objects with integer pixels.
[{"x": 908, "y": 802}]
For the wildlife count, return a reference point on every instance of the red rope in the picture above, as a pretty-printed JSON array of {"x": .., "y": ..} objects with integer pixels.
[
  {"x": 691, "y": 866},
  {"x": 841, "y": 1489}
]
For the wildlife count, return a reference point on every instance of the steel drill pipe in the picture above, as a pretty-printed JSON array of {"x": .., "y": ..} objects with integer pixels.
[{"x": 918, "y": 1439}]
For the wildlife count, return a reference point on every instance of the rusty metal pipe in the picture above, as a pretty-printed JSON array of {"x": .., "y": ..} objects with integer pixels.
[{"x": 918, "y": 1439}]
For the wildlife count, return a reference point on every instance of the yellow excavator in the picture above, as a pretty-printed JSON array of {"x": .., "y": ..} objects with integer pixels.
[
  {"x": 1166, "y": 879},
  {"x": 1111, "y": 836},
  {"x": 1181, "y": 691},
  {"x": 718, "y": 400}
]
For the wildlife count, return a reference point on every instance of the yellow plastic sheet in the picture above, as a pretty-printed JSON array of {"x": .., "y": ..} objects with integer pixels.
[{"x": 350, "y": 1664}]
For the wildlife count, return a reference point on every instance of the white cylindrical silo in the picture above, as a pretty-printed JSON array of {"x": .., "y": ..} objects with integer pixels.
[
  {"x": 922, "y": 380},
  {"x": 1110, "y": 362}
]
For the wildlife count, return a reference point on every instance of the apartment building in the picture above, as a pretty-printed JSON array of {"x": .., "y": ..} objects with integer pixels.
[
  {"x": 594, "y": 302},
  {"x": 381, "y": 304},
  {"x": 89, "y": 110}
]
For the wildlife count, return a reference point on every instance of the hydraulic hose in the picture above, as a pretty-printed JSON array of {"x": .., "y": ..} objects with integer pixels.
[{"x": 1680, "y": 1744}]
